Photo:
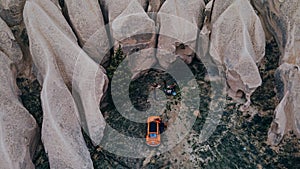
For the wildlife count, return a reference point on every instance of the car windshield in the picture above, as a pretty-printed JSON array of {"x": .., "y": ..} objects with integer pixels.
[
  {"x": 152, "y": 135},
  {"x": 153, "y": 127}
]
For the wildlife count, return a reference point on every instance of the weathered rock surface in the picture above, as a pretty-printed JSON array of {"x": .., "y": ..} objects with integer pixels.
[
  {"x": 87, "y": 21},
  {"x": 282, "y": 19},
  {"x": 11, "y": 11},
  {"x": 115, "y": 8},
  {"x": 179, "y": 23},
  {"x": 66, "y": 56},
  {"x": 155, "y": 5},
  {"x": 203, "y": 44},
  {"x": 237, "y": 42},
  {"x": 18, "y": 128},
  {"x": 287, "y": 114},
  {"x": 8, "y": 43},
  {"x": 80, "y": 73},
  {"x": 61, "y": 66},
  {"x": 135, "y": 32},
  {"x": 56, "y": 2}
]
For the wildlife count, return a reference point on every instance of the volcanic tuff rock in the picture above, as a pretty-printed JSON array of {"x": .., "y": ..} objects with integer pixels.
[
  {"x": 62, "y": 66},
  {"x": 80, "y": 73},
  {"x": 135, "y": 32},
  {"x": 8, "y": 43},
  {"x": 11, "y": 11},
  {"x": 287, "y": 116},
  {"x": 282, "y": 19},
  {"x": 116, "y": 7},
  {"x": 67, "y": 45},
  {"x": 203, "y": 44},
  {"x": 18, "y": 128},
  {"x": 155, "y": 5},
  {"x": 179, "y": 22},
  {"x": 88, "y": 23},
  {"x": 238, "y": 43},
  {"x": 56, "y": 2}
]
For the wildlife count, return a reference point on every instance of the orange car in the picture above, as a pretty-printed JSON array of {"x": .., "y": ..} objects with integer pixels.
[{"x": 153, "y": 132}]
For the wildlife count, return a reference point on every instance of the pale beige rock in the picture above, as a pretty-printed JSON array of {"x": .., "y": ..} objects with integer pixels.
[
  {"x": 135, "y": 32},
  {"x": 155, "y": 5},
  {"x": 81, "y": 74},
  {"x": 293, "y": 103},
  {"x": 179, "y": 23},
  {"x": 59, "y": 65},
  {"x": 286, "y": 114},
  {"x": 237, "y": 42},
  {"x": 87, "y": 21},
  {"x": 18, "y": 128},
  {"x": 141, "y": 61},
  {"x": 8, "y": 43},
  {"x": 204, "y": 37},
  {"x": 116, "y": 7},
  {"x": 11, "y": 11},
  {"x": 14, "y": 47},
  {"x": 214, "y": 69},
  {"x": 282, "y": 19},
  {"x": 133, "y": 21},
  {"x": 56, "y": 2},
  {"x": 278, "y": 126}
]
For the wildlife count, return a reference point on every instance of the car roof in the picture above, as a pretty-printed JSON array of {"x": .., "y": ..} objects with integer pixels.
[{"x": 153, "y": 127}]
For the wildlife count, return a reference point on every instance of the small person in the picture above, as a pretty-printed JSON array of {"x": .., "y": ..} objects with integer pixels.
[{"x": 169, "y": 89}]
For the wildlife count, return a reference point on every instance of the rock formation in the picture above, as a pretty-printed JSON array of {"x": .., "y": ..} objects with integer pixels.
[
  {"x": 282, "y": 19},
  {"x": 286, "y": 113},
  {"x": 135, "y": 32},
  {"x": 74, "y": 64},
  {"x": 56, "y": 2},
  {"x": 115, "y": 8},
  {"x": 9, "y": 45},
  {"x": 18, "y": 129},
  {"x": 60, "y": 67},
  {"x": 11, "y": 11},
  {"x": 155, "y": 5},
  {"x": 69, "y": 43},
  {"x": 88, "y": 23},
  {"x": 179, "y": 22},
  {"x": 237, "y": 42}
]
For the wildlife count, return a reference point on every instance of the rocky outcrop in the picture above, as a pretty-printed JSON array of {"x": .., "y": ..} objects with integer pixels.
[
  {"x": 135, "y": 33},
  {"x": 11, "y": 11},
  {"x": 286, "y": 113},
  {"x": 8, "y": 43},
  {"x": 282, "y": 19},
  {"x": 179, "y": 22},
  {"x": 18, "y": 128},
  {"x": 63, "y": 68},
  {"x": 80, "y": 73},
  {"x": 115, "y": 8},
  {"x": 237, "y": 42},
  {"x": 88, "y": 23},
  {"x": 68, "y": 44},
  {"x": 155, "y": 5}
]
